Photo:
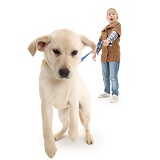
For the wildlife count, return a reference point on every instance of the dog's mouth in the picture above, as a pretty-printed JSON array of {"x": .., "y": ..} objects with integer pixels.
[{"x": 64, "y": 73}]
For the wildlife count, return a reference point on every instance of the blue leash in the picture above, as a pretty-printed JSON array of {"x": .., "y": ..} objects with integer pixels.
[
  {"x": 84, "y": 57},
  {"x": 98, "y": 46}
]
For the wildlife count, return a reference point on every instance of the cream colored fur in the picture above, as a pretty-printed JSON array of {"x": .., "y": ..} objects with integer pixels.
[{"x": 61, "y": 86}]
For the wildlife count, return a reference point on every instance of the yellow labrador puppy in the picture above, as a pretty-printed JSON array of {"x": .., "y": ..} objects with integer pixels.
[{"x": 61, "y": 86}]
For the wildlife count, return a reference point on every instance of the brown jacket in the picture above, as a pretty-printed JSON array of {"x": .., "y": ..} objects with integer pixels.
[{"x": 111, "y": 53}]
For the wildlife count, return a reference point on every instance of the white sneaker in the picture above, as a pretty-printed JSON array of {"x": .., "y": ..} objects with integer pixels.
[
  {"x": 104, "y": 95},
  {"x": 114, "y": 99}
]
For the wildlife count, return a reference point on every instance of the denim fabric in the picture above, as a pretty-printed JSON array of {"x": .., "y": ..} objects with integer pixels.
[{"x": 110, "y": 77}]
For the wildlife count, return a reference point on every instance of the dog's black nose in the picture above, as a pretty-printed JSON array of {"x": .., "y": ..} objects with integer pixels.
[{"x": 64, "y": 72}]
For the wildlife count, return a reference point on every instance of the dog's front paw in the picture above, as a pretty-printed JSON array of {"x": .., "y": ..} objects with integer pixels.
[
  {"x": 73, "y": 135},
  {"x": 89, "y": 139},
  {"x": 50, "y": 149}
]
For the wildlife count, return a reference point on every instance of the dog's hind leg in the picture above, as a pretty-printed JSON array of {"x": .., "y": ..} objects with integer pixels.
[
  {"x": 63, "y": 116},
  {"x": 84, "y": 114}
]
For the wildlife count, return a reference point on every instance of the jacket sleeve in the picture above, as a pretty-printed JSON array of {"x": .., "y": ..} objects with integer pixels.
[
  {"x": 99, "y": 46},
  {"x": 112, "y": 37},
  {"x": 117, "y": 29}
]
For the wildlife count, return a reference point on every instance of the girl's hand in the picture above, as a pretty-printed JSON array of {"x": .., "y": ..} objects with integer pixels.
[
  {"x": 94, "y": 56},
  {"x": 106, "y": 42}
]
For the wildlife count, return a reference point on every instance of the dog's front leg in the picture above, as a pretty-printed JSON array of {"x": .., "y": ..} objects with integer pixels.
[
  {"x": 73, "y": 121},
  {"x": 49, "y": 142}
]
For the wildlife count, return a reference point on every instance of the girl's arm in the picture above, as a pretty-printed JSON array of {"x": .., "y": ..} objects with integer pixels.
[
  {"x": 112, "y": 37},
  {"x": 99, "y": 46}
]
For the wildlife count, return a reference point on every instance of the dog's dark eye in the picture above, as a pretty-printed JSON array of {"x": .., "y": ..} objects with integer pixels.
[
  {"x": 73, "y": 53},
  {"x": 56, "y": 51}
]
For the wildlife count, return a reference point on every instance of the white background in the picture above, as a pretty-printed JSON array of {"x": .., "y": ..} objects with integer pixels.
[{"x": 127, "y": 130}]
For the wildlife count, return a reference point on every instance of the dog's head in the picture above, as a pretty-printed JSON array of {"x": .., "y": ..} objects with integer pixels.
[{"x": 62, "y": 51}]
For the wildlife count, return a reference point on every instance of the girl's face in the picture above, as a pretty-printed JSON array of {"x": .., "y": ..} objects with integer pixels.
[{"x": 111, "y": 16}]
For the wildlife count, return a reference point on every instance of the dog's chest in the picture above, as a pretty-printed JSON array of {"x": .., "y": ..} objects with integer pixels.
[
  {"x": 62, "y": 95},
  {"x": 60, "y": 99}
]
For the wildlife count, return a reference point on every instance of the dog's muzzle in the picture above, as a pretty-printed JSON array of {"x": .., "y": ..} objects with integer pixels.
[{"x": 64, "y": 72}]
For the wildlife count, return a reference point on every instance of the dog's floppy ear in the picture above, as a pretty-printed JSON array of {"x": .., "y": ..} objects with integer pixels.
[
  {"x": 39, "y": 44},
  {"x": 88, "y": 43}
]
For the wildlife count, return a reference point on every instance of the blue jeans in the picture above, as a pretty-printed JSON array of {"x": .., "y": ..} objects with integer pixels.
[{"x": 110, "y": 75}]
